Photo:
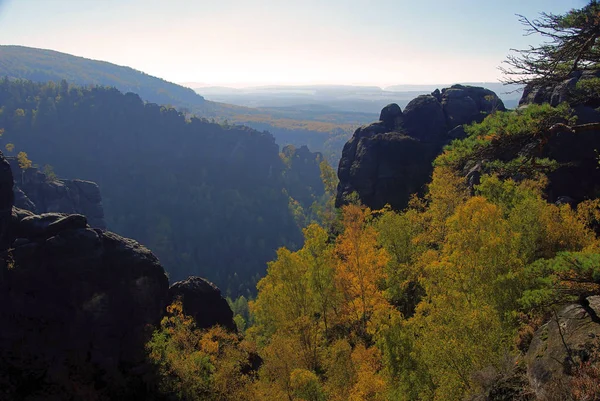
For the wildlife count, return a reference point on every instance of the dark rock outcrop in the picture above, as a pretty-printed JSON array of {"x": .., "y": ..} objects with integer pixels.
[
  {"x": 564, "y": 91},
  {"x": 36, "y": 192},
  {"x": 76, "y": 307},
  {"x": 6, "y": 202},
  {"x": 389, "y": 160},
  {"x": 577, "y": 176},
  {"x": 561, "y": 345},
  {"x": 202, "y": 300},
  {"x": 391, "y": 116},
  {"x": 78, "y": 304}
]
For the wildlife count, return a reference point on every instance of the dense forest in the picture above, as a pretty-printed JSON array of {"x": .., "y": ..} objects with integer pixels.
[
  {"x": 325, "y": 132},
  {"x": 434, "y": 302},
  {"x": 441, "y": 300},
  {"x": 208, "y": 199}
]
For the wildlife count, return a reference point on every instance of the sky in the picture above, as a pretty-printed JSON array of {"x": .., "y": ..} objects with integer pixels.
[{"x": 262, "y": 42}]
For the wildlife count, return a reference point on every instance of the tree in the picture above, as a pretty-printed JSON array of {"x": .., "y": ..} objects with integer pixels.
[
  {"x": 361, "y": 268},
  {"x": 24, "y": 162},
  {"x": 571, "y": 44}
]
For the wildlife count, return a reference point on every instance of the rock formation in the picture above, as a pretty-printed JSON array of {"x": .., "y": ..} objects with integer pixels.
[
  {"x": 561, "y": 345},
  {"x": 389, "y": 160},
  {"x": 565, "y": 91},
  {"x": 78, "y": 304},
  {"x": 38, "y": 193},
  {"x": 195, "y": 294},
  {"x": 577, "y": 178}
]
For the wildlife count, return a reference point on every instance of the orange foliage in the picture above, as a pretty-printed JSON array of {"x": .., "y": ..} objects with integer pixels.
[{"x": 361, "y": 267}]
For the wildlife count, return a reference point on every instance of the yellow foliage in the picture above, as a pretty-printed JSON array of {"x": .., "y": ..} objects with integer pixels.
[
  {"x": 361, "y": 269},
  {"x": 24, "y": 162},
  {"x": 369, "y": 385},
  {"x": 199, "y": 364}
]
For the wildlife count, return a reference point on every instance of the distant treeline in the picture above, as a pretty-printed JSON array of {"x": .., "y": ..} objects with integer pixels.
[{"x": 207, "y": 198}]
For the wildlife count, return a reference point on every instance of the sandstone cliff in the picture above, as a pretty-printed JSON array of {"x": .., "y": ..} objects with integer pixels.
[
  {"x": 77, "y": 305},
  {"x": 389, "y": 160},
  {"x": 38, "y": 193}
]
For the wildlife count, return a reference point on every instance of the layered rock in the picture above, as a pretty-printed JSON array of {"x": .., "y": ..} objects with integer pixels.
[
  {"x": 389, "y": 160},
  {"x": 38, "y": 193},
  {"x": 78, "y": 304},
  {"x": 559, "y": 346},
  {"x": 556, "y": 93}
]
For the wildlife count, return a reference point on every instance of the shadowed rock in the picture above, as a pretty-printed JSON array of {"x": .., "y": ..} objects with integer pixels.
[
  {"x": 78, "y": 305},
  {"x": 37, "y": 192},
  {"x": 387, "y": 161},
  {"x": 202, "y": 300}
]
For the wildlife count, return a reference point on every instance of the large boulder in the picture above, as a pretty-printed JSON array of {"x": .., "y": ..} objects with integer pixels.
[
  {"x": 467, "y": 104},
  {"x": 202, "y": 300},
  {"x": 387, "y": 161},
  {"x": 424, "y": 118},
  {"x": 391, "y": 116},
  {"x": 387, "y": 169},
  {"x": 559, "y": 346},
  {"x": 78, "y": 304}
]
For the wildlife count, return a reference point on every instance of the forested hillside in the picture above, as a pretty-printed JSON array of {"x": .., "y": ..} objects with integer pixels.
[
  {"x": 291, "y": 126},
  {"x": 40, "y": 65},
  {"x": 209, "y": 199}
]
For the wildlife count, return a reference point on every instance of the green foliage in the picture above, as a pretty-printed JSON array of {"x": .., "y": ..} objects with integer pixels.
[
  {"x": 504, "y": 130},
  {"x": 570, "y": 276},
  {"x": 241, "y": 313},
  {"x": 198, "y": 364},
  {"x": 50, "y": 174}
]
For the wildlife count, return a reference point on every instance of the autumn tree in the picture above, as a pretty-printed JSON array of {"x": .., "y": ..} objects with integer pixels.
[
  {"x": 196, "y": 364},
  {"x": 24, "y": 162},
  {"x": 361, "y": 267}
]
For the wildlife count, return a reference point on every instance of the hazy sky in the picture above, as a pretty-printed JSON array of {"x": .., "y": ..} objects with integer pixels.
[{"x": 252, "y": 42}]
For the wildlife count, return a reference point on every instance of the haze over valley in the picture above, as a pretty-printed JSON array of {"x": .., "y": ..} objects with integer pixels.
[{"x": 251, "y": 200}]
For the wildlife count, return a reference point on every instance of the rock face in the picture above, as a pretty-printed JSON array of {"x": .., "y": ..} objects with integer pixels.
[
  {"x": 36, "y": 192},
  {"x": 561, "y": 344},
  {"x": 577, "y": 178},
  {"x": 75, "y": 303},
  {"x": 202, "y": 300},
  {"x": 560, "y": 92},
  {"x": 389, "y": 160},
  {"x": 78, "y": 304}
]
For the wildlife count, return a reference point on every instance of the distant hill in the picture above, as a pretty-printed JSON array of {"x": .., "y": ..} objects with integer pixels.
[
  {"x": 298, "y": 127},
  {"x": 343, "y": 98},
  {"x": 42, "y": 65}
]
